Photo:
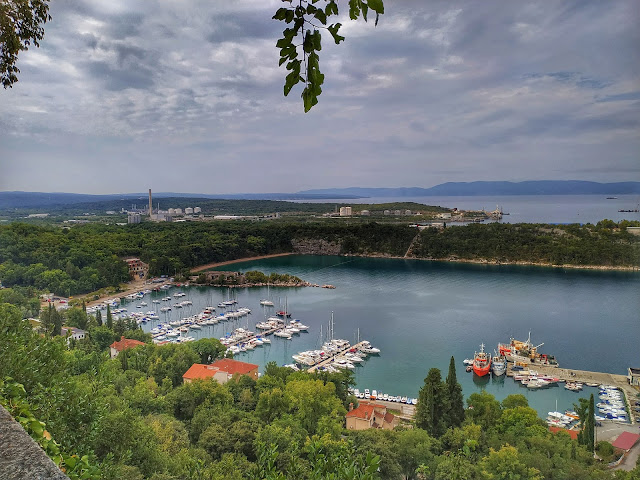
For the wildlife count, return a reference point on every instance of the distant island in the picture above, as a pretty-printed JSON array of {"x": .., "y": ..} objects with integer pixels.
[{"x": 22, "y": 200}]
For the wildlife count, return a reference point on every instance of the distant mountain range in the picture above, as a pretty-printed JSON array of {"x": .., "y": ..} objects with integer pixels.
[
  {"x": 536, "y": 187},
  {"x": 29, "y": 200},
  {"x": 533, "y": 187}
]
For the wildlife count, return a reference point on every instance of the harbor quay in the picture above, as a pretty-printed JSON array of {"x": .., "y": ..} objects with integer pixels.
[
  {"x": 585, "y": 377},
  {"x": 329, "y": 358}
]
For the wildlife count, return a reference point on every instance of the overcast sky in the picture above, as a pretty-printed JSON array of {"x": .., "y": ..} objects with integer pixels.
[{"x": 186, "y": 96}]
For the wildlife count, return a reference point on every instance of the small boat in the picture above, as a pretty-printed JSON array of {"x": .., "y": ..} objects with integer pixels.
[
  {"x": 481, "y": 362},
  {"x": 499, "y": 365}
]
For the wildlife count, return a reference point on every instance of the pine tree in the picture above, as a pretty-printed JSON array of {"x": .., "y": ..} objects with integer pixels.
[
  {"x": 46, "y": 320},
  {"x": 455, "y": 400},
  {"x": 590, "y": 425},
  {"x": 431, "y": 404},
  {"x": 84, "y": 306},
  {"x": 57, "y": 323},
  {"x": 109, "y": 318},
  {"x": 99, "y": 318}
]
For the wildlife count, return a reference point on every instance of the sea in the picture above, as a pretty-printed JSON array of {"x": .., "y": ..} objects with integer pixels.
[
  {"x": 421, "y": 313},
  {"x": 527, "y": 208}
]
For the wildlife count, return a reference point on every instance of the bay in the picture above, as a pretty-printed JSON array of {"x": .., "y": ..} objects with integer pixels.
[
  {"x": 527, "y": 208},
  {"x": 420, "y": 313}
]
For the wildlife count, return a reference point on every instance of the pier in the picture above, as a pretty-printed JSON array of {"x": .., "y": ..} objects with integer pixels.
[
  {"x": 263, "y": 333},
  {"x": 330, "y": 358},
  {"x": 583, "y": 376}
]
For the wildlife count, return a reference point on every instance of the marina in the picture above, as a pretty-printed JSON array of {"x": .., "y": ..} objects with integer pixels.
[{"x": 419, "y": 314}]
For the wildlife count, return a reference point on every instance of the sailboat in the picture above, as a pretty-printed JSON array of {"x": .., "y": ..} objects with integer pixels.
[{"x": 266, "y": 302}]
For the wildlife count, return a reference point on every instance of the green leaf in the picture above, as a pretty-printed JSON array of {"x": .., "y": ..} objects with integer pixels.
[
  {"x": 283, "y": 43},
  {"x": 307, "y": 44},
  {"x": 321, "y": 16},
  {"x": 316, "y": 40},
  {"x": 333, "y": 29},
  {"x": 365, "y": 10},
  {"x": 309, "y": 99},
  {"x": 289, "y": 16},
  {"x": 377, "y": 6},
  {"x": 354, "y": 9},
  {"x": 331, "y": 8},
  {"x": 281, "y": 14},
  {"x": 282, "y": 60}
]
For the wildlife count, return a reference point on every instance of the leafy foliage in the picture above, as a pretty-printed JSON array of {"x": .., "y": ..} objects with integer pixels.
[
  {"x": 131, "y": 417},
  {"x": 21, "y": 24},
  {"x": 306, "y": 20},
  {"x": 601, "y": 244}
]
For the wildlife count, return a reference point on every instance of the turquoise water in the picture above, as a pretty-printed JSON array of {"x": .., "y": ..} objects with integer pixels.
[{"x": 421, "y": 313}]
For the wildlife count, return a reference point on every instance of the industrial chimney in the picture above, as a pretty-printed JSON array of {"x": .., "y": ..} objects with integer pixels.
[{"x": 150, "y": 205}]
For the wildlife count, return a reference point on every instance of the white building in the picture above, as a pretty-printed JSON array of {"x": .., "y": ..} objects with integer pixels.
[
  {"x": 72, "y": 332},
  {"x": 133, "y": 218},
  {"x": 197, "y": 210},
  {"x": 188, "y": 211},
  {"x": 345, "y": 211}
]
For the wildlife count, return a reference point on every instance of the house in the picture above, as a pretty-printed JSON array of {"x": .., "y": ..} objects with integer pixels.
[
  {"x": 72, "y": 332},
  {"x": 369, "y": 415},
  {"x": 137, "y": 268},
  {"x": 572, "y": 433},
  {"x": 225, "y": 277},
  {"x": 634, "y": 376},
  {"x": 123, "y": 344},
  {"x": 221, "y": 370},
  {"x": 626, "y": 440}
]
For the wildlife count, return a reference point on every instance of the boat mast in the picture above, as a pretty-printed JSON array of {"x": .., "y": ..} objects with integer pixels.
[{"x": 331, "y": 325}]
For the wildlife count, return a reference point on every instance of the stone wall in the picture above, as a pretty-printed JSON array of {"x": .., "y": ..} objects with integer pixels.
[
  {"x": 20, "y": 456},
  {"x": 315, "y": 246}
]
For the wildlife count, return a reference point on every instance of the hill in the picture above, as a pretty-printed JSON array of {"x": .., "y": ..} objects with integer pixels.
[{"x": 533, "y": 187}]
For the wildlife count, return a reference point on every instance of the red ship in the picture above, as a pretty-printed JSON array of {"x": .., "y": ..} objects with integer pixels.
[{"x": 481, "y": 362}]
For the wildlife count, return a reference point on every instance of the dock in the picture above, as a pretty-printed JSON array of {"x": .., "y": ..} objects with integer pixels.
[
  {"x": 330, "y": 358},
  {"x": 263, "y": 333},
  {"x": 584, "y": 376}
]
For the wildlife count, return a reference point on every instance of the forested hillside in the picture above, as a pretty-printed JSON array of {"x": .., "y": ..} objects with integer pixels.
[
  {"x": 133, "y": 418},
  {"x": 603, "y": 244},
  {"x": 84, "y": 258}
]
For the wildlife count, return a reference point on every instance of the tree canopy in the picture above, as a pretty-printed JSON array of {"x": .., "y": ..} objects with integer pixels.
[{"x": 21, "y": 24}]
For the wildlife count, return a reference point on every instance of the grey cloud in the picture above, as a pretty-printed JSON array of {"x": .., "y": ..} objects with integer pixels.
[
  {"x": 252, "y": 25},
  {"x": 120, "y": 78},
  {"x": 444, "y": 90}
]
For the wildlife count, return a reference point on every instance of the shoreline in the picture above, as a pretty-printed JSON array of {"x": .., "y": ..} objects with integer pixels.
[
  {"x": 208, "y": 266},
  {"x": 135, "y": 286},
  {"x": 523, "y": 263}
]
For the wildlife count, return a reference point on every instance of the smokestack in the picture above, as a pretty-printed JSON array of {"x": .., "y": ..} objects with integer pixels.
[{"x": 150, "y": 205}]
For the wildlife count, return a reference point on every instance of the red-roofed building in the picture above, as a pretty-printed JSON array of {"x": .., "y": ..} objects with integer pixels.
[
  {"x": 369, "y": 415},
  {"x": 626, "y": 440},
  {"x": 572, "y": 433},
  {"x": 123, "y": 344},
  {"x": 222, "y": 370}
]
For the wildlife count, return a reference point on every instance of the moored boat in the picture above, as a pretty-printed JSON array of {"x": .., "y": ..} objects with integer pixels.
[
  {"x": 499, "y": 365},
  {"x": 481, "y": 362}
]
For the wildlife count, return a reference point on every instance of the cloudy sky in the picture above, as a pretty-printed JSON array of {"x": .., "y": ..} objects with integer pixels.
[{"x": 186, "y": 96}]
